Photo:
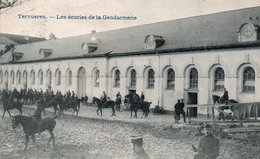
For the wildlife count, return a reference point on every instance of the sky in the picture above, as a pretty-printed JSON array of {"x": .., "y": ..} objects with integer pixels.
[{"x": 145, "y": 11}]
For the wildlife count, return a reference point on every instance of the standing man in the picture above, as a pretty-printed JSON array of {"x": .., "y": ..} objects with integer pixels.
[
  {"x": 177, "y": 110},
  {"x": 118, "y": 101},
  {"x": 208, "y": 146},
  {"x": 182, "y": 110}
]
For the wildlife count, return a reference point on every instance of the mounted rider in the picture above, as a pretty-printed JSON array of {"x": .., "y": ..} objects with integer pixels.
[
  {"x": 225, "y": 97},
  {"x": 103, "y": 99}
]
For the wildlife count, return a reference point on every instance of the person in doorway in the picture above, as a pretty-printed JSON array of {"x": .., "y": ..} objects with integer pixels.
[
  {"x": 208, "y": 146},
  {"x": 138, "y": 149}
]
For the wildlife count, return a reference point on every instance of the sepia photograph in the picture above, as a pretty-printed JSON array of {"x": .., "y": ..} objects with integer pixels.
[{"x": 130, "y": 79}]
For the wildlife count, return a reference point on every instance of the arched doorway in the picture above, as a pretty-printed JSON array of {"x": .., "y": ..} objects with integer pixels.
[{"x": 81, "y": 87}]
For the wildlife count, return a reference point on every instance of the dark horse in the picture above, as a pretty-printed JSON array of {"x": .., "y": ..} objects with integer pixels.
[
  {"x": 30, "y": 128},
  {"x": 145, "y": 107},
  {"x": 47, "y": 104},
  {"x": 11, "y": 104},
  {"x": 99, "y": 105},
  {"x": 66, "y": 104},
  {"x": 134, "y": 101},
  {"x": 216, "y": 100}
]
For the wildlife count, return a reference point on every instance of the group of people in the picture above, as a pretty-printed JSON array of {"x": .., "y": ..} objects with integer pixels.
[{"x": 178, "y": 110}]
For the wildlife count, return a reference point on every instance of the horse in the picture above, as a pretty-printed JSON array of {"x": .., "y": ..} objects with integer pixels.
[
  {"x": 47, "y": 104},
  {"x": 111, "y": 103},
  {"x": 66, "y": 104},
  {"x": 9, "y": 104},
  {"x": 134, "y": 103},
  {"x": 96, "y": 100},
  {"x": 216, "y": 100},
  {"x": 30, "y": 128},
  {"x": 145, "y": 107}
]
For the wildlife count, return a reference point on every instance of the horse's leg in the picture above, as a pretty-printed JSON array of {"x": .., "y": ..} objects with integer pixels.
[
  {"x": 34, "y": 141},
  {"x": 97, "y": 111},
  {"x": 26, "y": 141},
  {"x": 136, "y": 113},
  {"x": 52, "y": 138},
  {"x": 4, "y": 113},
  {"x": 101, "y": 112},
  {"x": 21, "y": 111},
  {"x": 9, "y": 113}
]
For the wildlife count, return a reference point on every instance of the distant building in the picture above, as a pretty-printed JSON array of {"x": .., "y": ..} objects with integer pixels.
[{"x": 190, "y": 58}]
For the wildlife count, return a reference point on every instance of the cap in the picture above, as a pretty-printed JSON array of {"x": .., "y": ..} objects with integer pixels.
[{"x": 138, "y": 139}]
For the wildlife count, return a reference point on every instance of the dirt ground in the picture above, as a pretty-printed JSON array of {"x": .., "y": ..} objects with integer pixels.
[{"x": 92, "y": 137}]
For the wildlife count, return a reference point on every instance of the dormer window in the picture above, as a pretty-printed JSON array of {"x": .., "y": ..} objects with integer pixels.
[
  {"x": 45, "y": 52},
  {"x": 17, "y": 56},
  {"x": 89, "y": 47},
  {"x": 153, "y": 41},
  {"x": 248, "y": 32}
]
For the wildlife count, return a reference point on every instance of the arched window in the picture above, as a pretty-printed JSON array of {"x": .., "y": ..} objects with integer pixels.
[
  {"x": 48, "y": 75},
  {"x": 96, "y": 78},
  {"x": 170, "y": 79},
  {"x": 12, "y": 77},
  {"x": 219, "y": 77},
  {"x": 40, "y": 76},
  {"x": 58, "y": 77},
  {"x": 18, "y": 77},
  {"x": 25, "y": 77},
  {"x": 193, "y": 78},
  {"x": 117, "y": 78},
  {"x": 32, "y": 77},
  {"x": 249, "y": 80},
  {"x": 1, "y": 77},
  {"x": 133, "y": 78},
  {"x": 69, "y": 77},
  {"x": 150, "y": 82},
  {"x": 6, "y": 77}
]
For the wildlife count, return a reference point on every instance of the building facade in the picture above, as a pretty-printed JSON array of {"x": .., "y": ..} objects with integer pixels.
[{"x": 191, "y": 58}]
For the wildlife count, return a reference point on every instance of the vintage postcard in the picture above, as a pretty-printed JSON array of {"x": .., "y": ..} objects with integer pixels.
[{"x": 122, "y": 79}]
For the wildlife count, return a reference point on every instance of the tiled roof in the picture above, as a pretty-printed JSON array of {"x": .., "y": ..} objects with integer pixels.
[
  {"x": 18, "y": 39},
  {"x": 219, "y": 29}
]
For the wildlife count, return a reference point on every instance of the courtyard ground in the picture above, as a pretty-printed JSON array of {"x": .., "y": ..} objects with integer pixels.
[{"x": 92, "y": 137}]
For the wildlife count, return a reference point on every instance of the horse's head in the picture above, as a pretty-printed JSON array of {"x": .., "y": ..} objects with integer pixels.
[
  {"x": 215, "y": 98},
  {"x": 95, "y": 100}
]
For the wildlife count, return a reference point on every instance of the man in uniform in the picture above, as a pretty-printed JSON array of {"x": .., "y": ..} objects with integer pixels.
[
  {"x": 142, "y": 96},
  {"x": 139, "y": 152},
  {"x": 182, "y": 110},
  {"x": 118, "y": 101},
  {"x": 224, "y": 99},
  {"x": 208, "y": 146},
  {"x": 177, "y": 110},
  {"x": 103, "y": 99}
]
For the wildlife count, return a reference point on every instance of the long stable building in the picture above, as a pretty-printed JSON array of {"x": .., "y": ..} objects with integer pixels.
[{"x": 190, "y": 58}]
